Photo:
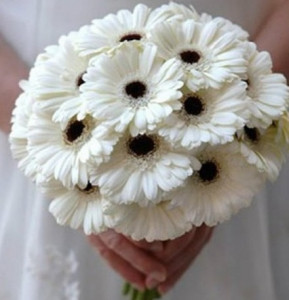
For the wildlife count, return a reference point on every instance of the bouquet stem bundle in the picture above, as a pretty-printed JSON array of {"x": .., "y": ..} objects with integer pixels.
[{"x": 135, "y": 294}]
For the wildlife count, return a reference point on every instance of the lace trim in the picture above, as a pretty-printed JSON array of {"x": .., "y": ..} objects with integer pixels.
[{"x": 55, "y": 271}]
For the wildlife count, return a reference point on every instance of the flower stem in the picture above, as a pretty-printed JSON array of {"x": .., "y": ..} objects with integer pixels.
[
  {"x": 134, "y": 294},
  {"x": 126, "y": 289}
]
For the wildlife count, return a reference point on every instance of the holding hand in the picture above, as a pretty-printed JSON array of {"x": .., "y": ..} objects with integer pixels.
[{"x": 151, "y": 265}]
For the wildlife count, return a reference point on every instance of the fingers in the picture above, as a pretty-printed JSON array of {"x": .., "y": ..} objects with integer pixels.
[
  {"x": 191, "y": 251},
  {"x": 180, "y": 263},
  {"x": 150, "y": 265},
  {"x": 174, "y": 247},
  {"x": 155, "y": 247},
  {"x": 137, "y": 257},
  {"x": 118, "y": 264}
]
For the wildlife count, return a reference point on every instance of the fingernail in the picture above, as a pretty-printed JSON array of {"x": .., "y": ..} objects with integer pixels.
[
  {"x": 151, "y": 283},
  {"x": 159, "y": 276}
]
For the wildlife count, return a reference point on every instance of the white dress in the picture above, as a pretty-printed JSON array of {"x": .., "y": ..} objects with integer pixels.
[{"x": 248, "y": 257}]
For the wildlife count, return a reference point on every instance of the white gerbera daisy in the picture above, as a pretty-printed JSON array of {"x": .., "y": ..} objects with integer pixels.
[
  {"x": 65, "y": 153},
  {"x": 260, "y": 148},
  {"x": 209, "y": 56},
  {"x": 49, "y": 52},
  {"x": 77, "y": 207},
  {"x": 207, "y": 115},
  {"x": 141, "y": 169},
  {"x": 134, "y": 88},
  {"x": 226, "y": 25},
  {"x": 177, "y": 11},
  {"x": 111, "y": 31},
  {"x": 19, "y": 133},
  {"x": 224, "y": 184},
  {"x": 182, "y": 12},
  {"x": 56, "y": 80},
  {"x": 20, "y": 118},
  {"x": 158, "y": 222},
  {"x": 268, "y": 91}
]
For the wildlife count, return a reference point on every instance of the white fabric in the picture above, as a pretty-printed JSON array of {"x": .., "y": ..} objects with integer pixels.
[{"x": 248, "y": 258}]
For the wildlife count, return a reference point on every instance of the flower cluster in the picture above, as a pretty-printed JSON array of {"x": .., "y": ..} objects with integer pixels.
[{"x": 150, "y": 122}]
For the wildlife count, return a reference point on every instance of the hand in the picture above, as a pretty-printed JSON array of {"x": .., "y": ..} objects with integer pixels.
[
  {"x": 179, "y": 254},
  {"x": 151, "y": 265},
  {"x": 134, "y": 261}
]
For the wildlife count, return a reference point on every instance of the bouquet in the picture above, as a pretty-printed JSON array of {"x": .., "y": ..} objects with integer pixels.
[{"x": 150, "y": 122}]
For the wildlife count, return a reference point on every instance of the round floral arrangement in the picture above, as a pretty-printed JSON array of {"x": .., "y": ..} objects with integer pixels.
[{"x": 151, "y": 122}]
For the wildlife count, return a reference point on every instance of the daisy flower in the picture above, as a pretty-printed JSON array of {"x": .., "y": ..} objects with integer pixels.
[
  {"x": 19, "y": 134},
  {"x": 260, "y": 148},
  {"x": 158, "y": 222},
  {"x": 182, "y": 12},
  {"x": 77, "y": 207},
  {"x": 56, "y": 80},
  {"x": 49, "y": 52},
  {"x": 20, "y": 118},
  {"x": 113, "y": 30},
  {"x": 207, "y": 116},
  {"x": 141, "y": 169},
  {"x": 177, "y": 11},
  {"x": 66, "y": 153},
  {"x": 209, "y": 57},
  {"x": 224, "y": 184},
  {"x": 133, "y": 89},
  {"x": 267, "y": 91},
  {"x": 226, "y": 26}
]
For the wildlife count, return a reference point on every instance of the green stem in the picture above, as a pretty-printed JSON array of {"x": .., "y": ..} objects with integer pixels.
[
  {"x": 156, "y": 294},
  {"x": 146, "y": 295},
  {"x": 140, "y": 295},
  {"x": 135, "y": 294},
  {"x": 126, "y": 289}
]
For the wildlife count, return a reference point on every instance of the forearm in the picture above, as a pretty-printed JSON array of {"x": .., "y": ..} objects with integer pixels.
[
  {"x": 12, "y": 69},
  {"x": 274, "y": 37}
]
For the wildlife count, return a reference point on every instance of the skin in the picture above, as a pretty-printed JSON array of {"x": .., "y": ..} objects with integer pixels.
[
  {"x": 12, "y": 69},
  {"x": 149, "y": 265},
  {"x": 158, "y": 264},
  {"x": 273, "y": 37}
]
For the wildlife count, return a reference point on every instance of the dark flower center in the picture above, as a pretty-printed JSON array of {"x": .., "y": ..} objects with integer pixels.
[
  {"x": 135, "y": 89},
  {"x": 89, "y": 189},
  {"x": 80, "y": 80},
  {"x": 131, "y": 37},
  {"x": 193, "y": 105},
  {"x": 142, "y": 145},
  {"x": 208, "y": 171},
  {"x": 247, "y": 81},
  {"x": 190, "y": 56},
  {"x": 252, "y": 134},
  {"x": 74, "y": 130}
]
